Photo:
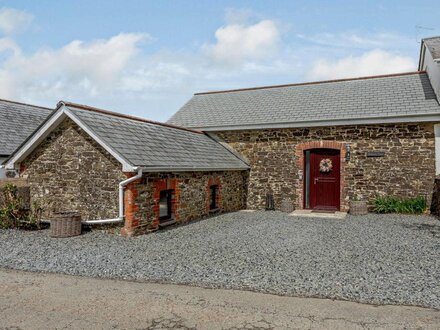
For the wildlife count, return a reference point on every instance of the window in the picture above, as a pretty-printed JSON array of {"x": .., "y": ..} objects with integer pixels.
[
  {"x": 165, "y": 205},
  {"x": 214, "y": 194}
]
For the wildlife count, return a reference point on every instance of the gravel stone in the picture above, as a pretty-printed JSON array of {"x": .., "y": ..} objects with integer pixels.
[{"x": 378, "y": 259}]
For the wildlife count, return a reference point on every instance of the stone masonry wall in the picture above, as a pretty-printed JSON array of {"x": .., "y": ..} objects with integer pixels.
[
  {"x": 406, "y": 170},
  {"x": 70, "y": 171},
  {"x": 191, "y": 196}
]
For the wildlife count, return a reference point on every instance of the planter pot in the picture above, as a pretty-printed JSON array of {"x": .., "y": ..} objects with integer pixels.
[
  {"x": 65, "y": 224},
  {"x": 358, "y": 208},
  {"x": 286, "y": 206}
]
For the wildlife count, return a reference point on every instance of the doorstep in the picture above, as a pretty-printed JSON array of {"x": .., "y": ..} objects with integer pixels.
[{"x": 317, "y": 214}]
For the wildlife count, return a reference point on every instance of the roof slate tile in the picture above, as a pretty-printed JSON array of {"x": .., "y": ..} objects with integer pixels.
[
  {"x": 147, "y": 144},
  {"x": 17, "y": 122},
  {"x": 381, "y": 96}
]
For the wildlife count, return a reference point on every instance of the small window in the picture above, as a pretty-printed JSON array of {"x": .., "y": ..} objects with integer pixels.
[
  {"x": 214, "y": 193},
  {"x": 165, "y": 205}
]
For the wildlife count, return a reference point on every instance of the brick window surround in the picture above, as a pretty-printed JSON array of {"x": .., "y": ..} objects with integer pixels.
[
  {"x": 131, "y": 207},
  {"x": 166, "y": 184},
  {"x": 299, "y": 156},
  {"x": 218, "y": 200}
]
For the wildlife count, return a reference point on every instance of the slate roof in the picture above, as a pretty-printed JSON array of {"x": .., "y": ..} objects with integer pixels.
[
  {"x": 17, "y": 122},
  {"x": 334, "y": 102},
  {"x": 433, "y": 45},
  {"x": 150, "y": 144}
]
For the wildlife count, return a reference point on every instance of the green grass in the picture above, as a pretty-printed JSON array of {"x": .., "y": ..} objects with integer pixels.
[{"x": 389, "y": 204}]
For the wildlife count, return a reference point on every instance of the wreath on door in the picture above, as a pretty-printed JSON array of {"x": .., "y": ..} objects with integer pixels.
[{"x": 325, "y": 165}]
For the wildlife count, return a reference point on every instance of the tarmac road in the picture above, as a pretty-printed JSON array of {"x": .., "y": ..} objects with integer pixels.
[{"x": 53, "y": 301}]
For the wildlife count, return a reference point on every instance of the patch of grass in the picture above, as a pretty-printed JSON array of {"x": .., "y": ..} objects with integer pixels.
[{"x": 390, "y": 204}]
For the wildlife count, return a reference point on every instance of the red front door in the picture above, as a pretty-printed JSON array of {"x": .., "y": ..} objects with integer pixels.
[{"x": 324, "y": 179}]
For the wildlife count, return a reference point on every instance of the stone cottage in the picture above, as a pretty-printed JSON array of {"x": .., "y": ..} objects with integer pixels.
[
  {"x": 318, "y": 145},
  {"x": 312, "y": 146},
  {"x": 112, "y": 167},
  {"x": 18, "y": 121}
]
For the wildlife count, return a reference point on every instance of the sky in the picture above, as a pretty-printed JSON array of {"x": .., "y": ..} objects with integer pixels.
[{"x": 147, "y": 58}]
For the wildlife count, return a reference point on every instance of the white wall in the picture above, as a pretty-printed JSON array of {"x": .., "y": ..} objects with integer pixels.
[
  {"x": 2, "y": 170},
  {"x": 433, "y": 70},
  {"x": 437, "y": 148}
]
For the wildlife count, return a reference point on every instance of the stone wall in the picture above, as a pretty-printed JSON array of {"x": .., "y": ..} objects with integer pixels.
[
  {"x": 191, "y": 196},
  {"x": 406, "y": 170},
  {"x": 70, "y": 171}
]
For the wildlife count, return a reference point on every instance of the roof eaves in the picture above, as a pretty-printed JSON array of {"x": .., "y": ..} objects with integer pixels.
[
  {"x": 422, "y": 55},
  {"x": 432, "y": 117},
  {"x": 35, "y": 138},
  {"x": 155, "y": 169},
  {"x": 44, "y": 130}
]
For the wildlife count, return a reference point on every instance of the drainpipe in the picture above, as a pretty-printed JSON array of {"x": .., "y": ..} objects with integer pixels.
[{"x": 120, "y": 218}]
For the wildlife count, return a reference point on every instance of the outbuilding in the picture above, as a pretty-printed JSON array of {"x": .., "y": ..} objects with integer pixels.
[{"x": 114, "y": 168}]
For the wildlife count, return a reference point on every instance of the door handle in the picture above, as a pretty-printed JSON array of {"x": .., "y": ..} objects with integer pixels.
[{"x": 316, "y": 180}]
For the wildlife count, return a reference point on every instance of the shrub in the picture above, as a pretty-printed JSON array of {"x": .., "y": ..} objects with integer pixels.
[
  {"x": 13, "y": 212},
  {"x": 389, "y": 204}
]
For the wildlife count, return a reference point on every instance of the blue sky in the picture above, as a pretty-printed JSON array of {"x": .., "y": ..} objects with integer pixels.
[{"x": 148, "y": 57}]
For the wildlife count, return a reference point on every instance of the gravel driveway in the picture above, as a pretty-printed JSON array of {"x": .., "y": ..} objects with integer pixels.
[{"x": 380, "y": 259}]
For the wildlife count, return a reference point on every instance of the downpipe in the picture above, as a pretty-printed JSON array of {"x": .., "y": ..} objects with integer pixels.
[{"x": 121, "y": 216}]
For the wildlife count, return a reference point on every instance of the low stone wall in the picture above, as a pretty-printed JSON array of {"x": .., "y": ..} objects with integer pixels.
[
  {"x": 191, "y": 197},
  {"x": 406, "y": 170}
]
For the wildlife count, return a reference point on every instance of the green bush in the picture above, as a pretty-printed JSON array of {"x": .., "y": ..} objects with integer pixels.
[
  {"x": 389, "y": 204},
  {"x": 13, "y": 212}
]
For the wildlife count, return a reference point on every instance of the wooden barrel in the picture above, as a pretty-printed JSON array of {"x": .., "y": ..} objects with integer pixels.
[{"x": 65, "y": 224}]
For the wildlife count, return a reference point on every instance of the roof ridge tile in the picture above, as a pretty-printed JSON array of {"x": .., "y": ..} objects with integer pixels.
[
  {"x": 124, "y": 116},
  {"x": 26, "y": 104},
  {"x": 313, "y": 82}
]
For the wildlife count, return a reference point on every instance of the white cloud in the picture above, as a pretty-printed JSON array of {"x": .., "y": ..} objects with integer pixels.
[
  {"x": 237, "y": 43},
  {"x": 13, "y": 20},
  {"x": 370, "y": 63},
  {"x": 7, "y": 44},
  {"x": 118, "y": 73},
  {"x": 76, "y": 69},
  {"x": 353, "y": 40}
]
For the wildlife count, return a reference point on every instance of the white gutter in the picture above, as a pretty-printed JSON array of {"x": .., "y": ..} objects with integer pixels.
[
  {"x": 121, "y": 191},
  {"x": 193, "y": 169},
  {"x": 121, "y": 216},
  {"x": 413, "y": 118},
  {"x": 102, "y": 221}
]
